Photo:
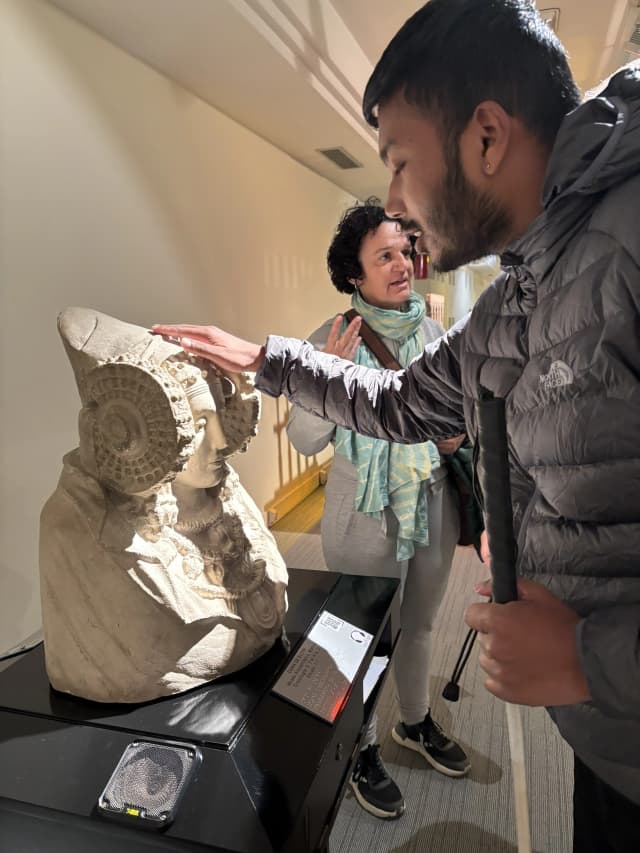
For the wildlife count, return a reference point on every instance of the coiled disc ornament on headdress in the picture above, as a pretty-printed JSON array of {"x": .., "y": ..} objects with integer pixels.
[
  {"x": 241, "y": 411},
  {"x": 143, "y": 430}
]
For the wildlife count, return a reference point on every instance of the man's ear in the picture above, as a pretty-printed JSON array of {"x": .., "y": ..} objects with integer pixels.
[
  {"x": 356, "y": 282},
  {"x": 486, "y": 138}
]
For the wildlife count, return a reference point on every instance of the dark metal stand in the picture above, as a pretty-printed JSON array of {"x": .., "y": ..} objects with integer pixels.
[{"x": 272, "y": 775}]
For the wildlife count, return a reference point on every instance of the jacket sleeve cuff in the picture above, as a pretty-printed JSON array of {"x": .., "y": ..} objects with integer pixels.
[{"x": 279, "y": 351}]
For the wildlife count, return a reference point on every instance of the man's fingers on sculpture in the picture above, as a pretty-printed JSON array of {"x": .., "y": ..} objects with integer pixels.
[
  {"x": 228, "y": 352},
  {"x": 231, "y": 361},
  {"x": 201, "y": 333},
  {"x": 207, "y": 351},
  {"x": 198, "y": 347}
]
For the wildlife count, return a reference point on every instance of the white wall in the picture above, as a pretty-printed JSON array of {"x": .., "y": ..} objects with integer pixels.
[{"x": 122, "y": 192}]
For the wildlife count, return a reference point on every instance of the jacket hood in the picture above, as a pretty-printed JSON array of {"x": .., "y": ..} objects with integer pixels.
[
  {"x": 597, "y": 147},
  {"x": 598, "y": 144}
]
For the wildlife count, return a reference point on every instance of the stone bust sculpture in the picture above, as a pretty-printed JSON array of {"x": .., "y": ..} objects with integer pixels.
[{"x": 157, "y": 571}]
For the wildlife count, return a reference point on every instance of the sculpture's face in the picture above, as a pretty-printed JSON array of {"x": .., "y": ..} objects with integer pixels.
[{"x": 205, "y": 467}]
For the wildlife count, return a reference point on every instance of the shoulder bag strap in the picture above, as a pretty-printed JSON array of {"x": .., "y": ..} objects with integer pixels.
[{"x": 374, "y": 342}]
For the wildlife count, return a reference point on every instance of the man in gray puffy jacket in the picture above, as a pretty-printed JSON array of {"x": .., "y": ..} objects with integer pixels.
[{"x": 490, "y": 150}]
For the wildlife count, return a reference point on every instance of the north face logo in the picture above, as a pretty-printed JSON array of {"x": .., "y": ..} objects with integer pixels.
[{"x": 559, "y": 374}]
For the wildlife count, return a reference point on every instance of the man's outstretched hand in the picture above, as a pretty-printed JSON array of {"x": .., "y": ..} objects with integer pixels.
[{"x": 215, "y": 345}]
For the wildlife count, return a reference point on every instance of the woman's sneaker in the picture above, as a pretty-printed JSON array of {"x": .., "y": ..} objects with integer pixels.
[
  {"x": 427, "y": 738},
  {"x": 374, "y": 789}
]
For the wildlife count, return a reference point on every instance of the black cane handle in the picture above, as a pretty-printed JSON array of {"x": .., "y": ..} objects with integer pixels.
[{"x": 493, "y": 475}]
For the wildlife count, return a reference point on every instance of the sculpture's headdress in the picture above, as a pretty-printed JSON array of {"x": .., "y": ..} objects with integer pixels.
[{"x": 136, "y": 426}]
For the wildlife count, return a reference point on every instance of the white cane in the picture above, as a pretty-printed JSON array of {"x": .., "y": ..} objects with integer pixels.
[{"x": 493, "y": 475}]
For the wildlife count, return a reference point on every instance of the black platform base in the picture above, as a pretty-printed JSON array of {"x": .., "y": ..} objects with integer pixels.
[{"x": 271, "y": 776}]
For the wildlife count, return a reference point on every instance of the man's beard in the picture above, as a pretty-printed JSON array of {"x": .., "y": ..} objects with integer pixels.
[{"x": 470, "y": 223}]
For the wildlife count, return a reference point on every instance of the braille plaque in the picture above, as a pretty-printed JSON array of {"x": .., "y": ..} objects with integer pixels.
[{"x": 320, "y": 674}]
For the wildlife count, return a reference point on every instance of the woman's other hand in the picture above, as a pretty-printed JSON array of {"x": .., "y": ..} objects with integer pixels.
[
  {"x": 485, "y": 553},
  {"x": 343, "y": 345},
  {"x": 450, "y": 445}
]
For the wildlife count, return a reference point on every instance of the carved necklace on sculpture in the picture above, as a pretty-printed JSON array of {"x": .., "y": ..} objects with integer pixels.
[
  {"x": 220, "y": 540},
  {"x": 148, "y": 515},
  {"x": 222, "y": 569},
  {"x": 226, "y": 562},
  {"x": 218, "y": 564},
  {"x": 203, "y": 519},
  {"x": 215, "y": 551}
]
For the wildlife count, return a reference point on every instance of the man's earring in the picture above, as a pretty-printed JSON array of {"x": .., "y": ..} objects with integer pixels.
[{"x": 487, "y": 167}]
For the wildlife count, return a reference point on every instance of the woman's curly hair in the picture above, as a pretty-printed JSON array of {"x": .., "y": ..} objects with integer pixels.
[{"x": 343, "y": 261}]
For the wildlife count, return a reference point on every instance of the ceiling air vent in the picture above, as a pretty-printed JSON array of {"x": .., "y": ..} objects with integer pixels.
[
  {"x": 632, "y": 49},
  {"x": 340, "y": 158}
]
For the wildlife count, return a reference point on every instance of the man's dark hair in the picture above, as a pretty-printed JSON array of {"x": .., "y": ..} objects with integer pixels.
[
  {"x": 343, "y": 261},
  {"x": 453, "y": 54}
]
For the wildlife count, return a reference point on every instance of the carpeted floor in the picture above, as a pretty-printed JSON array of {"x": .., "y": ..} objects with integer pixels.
[{"x": 470, "y": 815}]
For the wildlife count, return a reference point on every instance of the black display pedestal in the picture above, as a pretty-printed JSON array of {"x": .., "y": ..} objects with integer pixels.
[{"x": 272, "y": 775}]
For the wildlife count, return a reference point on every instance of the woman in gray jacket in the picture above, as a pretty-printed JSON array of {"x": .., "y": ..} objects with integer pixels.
[{"x": 389, "y": 508}]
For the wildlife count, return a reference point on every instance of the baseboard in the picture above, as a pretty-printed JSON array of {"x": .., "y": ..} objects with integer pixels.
[{"x": 296, "y": 491}]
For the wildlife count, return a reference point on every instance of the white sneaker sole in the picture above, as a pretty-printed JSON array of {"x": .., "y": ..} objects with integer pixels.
[
  {"x": 368, "y": 807},
  {"x": 418, "y": 747}
]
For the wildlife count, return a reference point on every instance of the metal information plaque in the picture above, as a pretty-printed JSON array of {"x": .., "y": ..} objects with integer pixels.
[{"x": 321, "y": 672}]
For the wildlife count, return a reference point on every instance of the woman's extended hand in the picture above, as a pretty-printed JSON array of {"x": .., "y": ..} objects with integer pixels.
[
  {"x": 343, "y": 345},
  {"x": 215, "y": 345},
  {"x": 449, "y": 445},
  {"x": 485, "y": 553}
]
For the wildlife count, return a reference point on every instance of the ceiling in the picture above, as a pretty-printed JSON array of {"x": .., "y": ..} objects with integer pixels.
[
  {"x": 382, "y": 20},
  {"x": 293, "y": 71}
]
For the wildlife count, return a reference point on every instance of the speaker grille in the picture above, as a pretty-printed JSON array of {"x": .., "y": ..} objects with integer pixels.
[{"x": 149, "y": 780}]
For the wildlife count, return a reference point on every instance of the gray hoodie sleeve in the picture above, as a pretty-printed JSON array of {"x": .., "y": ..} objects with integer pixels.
[
  {"x": 308, "y": 433},
  {"x": 413, "y": 405}
]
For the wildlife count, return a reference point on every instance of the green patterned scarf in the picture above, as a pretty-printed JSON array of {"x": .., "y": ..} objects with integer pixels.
[{"x": 391, "y": 474}]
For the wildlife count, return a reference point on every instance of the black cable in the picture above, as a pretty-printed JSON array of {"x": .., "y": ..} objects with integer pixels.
[{"x": 451, "y": 690}]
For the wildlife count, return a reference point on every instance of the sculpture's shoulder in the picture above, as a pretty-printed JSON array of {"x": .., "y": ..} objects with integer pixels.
[{"x": 77, "y": 499}]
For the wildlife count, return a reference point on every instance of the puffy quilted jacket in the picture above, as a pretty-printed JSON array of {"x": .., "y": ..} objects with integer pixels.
[{"x": 557, "y": 335}]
